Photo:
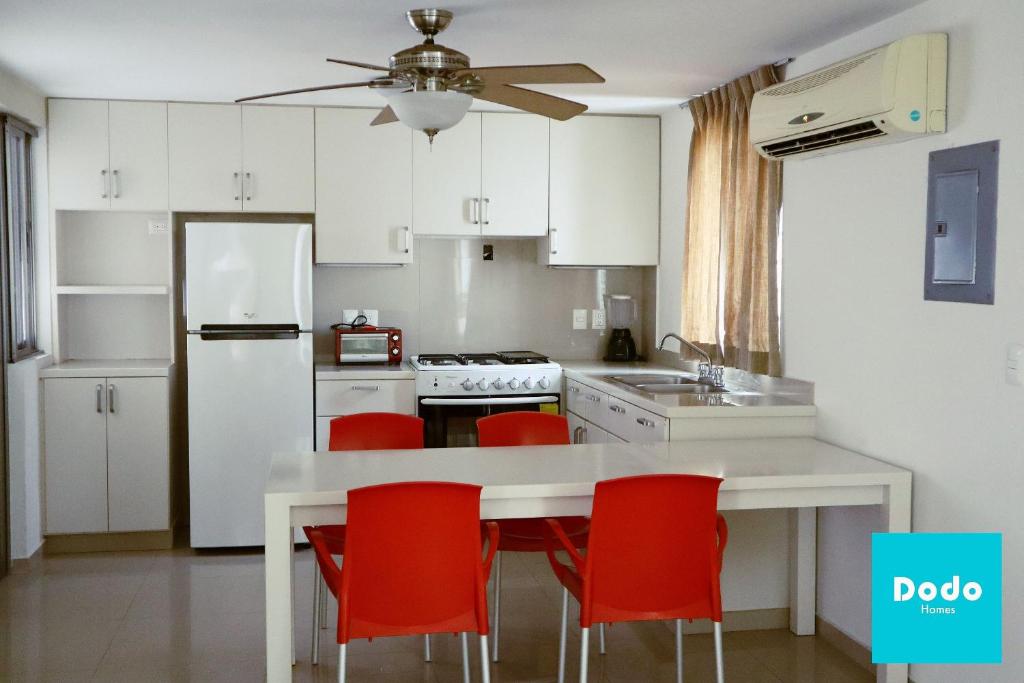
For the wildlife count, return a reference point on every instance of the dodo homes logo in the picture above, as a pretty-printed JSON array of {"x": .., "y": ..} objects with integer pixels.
[{"x": 936, "y": 598}]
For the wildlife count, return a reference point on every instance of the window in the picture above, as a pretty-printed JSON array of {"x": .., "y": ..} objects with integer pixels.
[{"x": 19, "y": 243}]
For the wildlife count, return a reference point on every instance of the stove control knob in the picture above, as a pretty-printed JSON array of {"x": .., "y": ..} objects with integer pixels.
[
  {"x": 483, "y": 384},
  {"x": 499, "y": 384},
  {"x": 467, "y": 385},
  {"x": 528, "y": 383},
  {"x": 513, "y": 384},
  {"x": 543, "y": 383}
]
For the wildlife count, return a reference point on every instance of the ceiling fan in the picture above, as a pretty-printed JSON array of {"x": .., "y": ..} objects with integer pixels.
[{"x": 430, "y": 87}]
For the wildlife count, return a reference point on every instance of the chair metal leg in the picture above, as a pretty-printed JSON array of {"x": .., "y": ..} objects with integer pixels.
[
  {"x": 561, "y": 636},
  {"x": 317, "y": 607},
  {"x": 323, "y": 597},
  {"x": 342, "y": 651},
  {"x": 584, "y": 643},
  {"x": 485, "y": 665},
  {"x": 426, "y": 648},
  {"x": 679, "y": 651},
  {"x": 719, "y": 664},
  {"x": 497, "y": 605},
  {"x": 600, "y": 638},
  {"x": 465, "y": 656}
]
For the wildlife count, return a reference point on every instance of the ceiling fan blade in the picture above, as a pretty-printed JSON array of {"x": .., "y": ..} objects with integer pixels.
[
  {"x": 538, "y": 73},
  {"x": 336, "y": 86},
  {"x": 361, "y": 65},
  {"x": 386, "y": 115},
  {"x": 531, "y": 101}
]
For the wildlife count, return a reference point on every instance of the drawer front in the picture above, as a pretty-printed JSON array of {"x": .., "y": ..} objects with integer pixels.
[
  {"x": 647, "y": 427},
  {"x": 345, "y": 397},
  {"x": 574, "y": 397},
  {"x": 614, "y": 417}
]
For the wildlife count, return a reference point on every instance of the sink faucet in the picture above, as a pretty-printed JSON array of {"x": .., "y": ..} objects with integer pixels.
[{"x": 707, "y": 372}]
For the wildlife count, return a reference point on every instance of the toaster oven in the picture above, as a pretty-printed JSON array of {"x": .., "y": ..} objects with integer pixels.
[{"x": 367, "y": 345}]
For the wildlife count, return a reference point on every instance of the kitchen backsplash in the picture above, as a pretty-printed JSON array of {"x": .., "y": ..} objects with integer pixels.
[{"x": 451, "y": 299}]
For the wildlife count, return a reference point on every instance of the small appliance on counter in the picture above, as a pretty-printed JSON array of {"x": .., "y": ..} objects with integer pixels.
[
  {"x": 358, "y": 342},
  {"x": 621, "y": 311}
]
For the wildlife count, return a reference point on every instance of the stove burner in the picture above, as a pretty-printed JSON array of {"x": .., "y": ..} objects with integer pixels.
[
  {"x": 521, "y": 357},
  {"x": 481, "y": 358},
  {"x": 437, "y": 359}
]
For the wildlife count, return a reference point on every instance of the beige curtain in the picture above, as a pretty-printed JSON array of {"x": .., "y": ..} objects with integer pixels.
[{"x": 730, "y": 282}]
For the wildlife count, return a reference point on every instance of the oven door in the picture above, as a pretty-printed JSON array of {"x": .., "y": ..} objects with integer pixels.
[
  {"x": 362, "y": 347},
  {"x": 450, "y": 421}
]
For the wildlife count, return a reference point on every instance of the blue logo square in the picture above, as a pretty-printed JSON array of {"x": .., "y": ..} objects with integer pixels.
[{"x": 936, "y": 598}]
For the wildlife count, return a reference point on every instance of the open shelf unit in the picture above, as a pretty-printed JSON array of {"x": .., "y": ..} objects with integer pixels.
[{"x": 112, "y": 286}]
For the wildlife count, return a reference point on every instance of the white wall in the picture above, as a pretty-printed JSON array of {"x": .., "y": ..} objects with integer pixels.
[
  {"x": 919, "y": 384},
  {"x": 24, "y": 454}
]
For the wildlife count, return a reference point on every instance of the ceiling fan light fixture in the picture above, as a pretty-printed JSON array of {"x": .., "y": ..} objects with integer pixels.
[{"x": 430, "y": 110}]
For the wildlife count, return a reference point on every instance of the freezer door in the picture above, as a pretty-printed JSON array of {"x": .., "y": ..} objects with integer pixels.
[
  {"x": 247, "y": 399},
  {"x": 248, "y": 273}
]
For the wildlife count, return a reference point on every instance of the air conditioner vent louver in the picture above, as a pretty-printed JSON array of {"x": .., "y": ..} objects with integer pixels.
[
  {"x": 829, "y": 138},
  {"x": 820, "y": 78}
]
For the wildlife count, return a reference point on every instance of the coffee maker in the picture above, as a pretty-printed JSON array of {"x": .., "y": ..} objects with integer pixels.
[{"x": 621, "y": 310}]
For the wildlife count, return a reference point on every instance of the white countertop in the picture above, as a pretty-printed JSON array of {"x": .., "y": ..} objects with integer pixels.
[
  {"x": 330, "y": 371},
  {"x": 531, "y": 471},
  {"x": 737, "y": 402},
  {"x": 150, "y": 367}
]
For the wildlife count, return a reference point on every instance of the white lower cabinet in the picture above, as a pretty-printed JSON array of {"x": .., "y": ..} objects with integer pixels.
[
  {"x": 107, "y": 454},
  {"x": 337, "y": 397},
  {"x": 596, "y": 417}
]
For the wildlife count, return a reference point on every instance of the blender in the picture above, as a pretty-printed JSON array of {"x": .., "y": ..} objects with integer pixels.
[{"x": 622, "y": 312}]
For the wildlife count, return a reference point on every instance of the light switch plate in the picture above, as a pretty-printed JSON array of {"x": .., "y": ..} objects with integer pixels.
[
  {"x": 1015, "y": 365},
  {"x": 579, "y": 318},
  {"x": 372, "y": 317},
  {"x": 158, "y": 228},
  {"x": 597, "y": 319}
]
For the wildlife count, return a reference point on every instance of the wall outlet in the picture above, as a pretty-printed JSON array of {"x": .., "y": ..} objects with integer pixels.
[
  {"x": 579, "y": 318},
  {"x": 597, "y": 319},
  {"x": 348, "y": 315},
  {"x": 158, "y": 228},
  {"x": 372, "y": 317}
]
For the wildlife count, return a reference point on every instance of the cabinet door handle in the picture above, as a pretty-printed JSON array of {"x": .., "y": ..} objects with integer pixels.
[
  {"x": 365, "y": 387},
  {"x": 248, "y": 186},
  {"x": 110, "y": 397},
  {"x": 99, "y": 398},
  {"x": 574, "y": 390},
  {"x": 553, "y": 240},
  {"x": 408, "y": 239},
  {"x": 644, "y": 422},
  {"x": 592, "y": 398},
  {"x": 238, "y": 186},
  {"x": 577, "y": 435},
  {"x": 474, "y": 211},
  {"x": 485, "y": 218},
  {"x": 616, "y": 409},
  {"x": 117, "y": 183},
  {"x": 106, "y": 183}
]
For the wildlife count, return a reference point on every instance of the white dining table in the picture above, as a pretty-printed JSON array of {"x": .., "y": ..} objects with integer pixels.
[{"x": 799, "y": 474}]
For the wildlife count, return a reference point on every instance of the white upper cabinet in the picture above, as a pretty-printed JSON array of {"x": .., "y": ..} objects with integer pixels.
[
  {"x": 225, "y": 157},
  {"x": 446, "y": 180},
  {"x": 514, "y": 182},
  {"x": 138, "y": 155},
  {"x": 604, "y": 192},
  {"x": 363, "y": 189},
  {"x": 108, "y": 155},
  {"x": 277, "y": 159},
  {"x": 205, "y": 156}
]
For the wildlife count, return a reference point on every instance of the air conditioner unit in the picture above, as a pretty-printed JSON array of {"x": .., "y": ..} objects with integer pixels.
[{"x": 891, "y": 93}]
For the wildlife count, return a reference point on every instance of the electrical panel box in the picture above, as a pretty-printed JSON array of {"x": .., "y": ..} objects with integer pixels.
[{"x": 960, "y": 249}]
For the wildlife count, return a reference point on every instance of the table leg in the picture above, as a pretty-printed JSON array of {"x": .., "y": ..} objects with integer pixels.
[
  {"x": 277, "y": 557},
  {"x": 803, "y": 549},
  {"x": 896, "y": 512}
]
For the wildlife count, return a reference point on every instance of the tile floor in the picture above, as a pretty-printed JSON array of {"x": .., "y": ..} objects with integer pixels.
[{"x": 185, "y": 616}]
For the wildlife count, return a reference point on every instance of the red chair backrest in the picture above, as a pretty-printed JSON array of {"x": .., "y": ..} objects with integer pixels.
[
  {"x": 522, "y": 429},
  {"x": 376, "y": 432},
  {"x": 412, "y": 561},
  {"x": 653, "y": 549}
]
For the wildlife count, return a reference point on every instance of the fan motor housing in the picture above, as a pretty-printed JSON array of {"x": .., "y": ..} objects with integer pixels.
[{"x": 428, "y": 59}]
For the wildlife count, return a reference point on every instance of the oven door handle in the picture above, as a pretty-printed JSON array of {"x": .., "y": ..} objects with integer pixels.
[{"x": 510, "y": 400}]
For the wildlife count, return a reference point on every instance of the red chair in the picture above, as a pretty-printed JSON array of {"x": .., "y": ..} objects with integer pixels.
[
  {"x": 654, "y": 552},
  {"x": 526, "y": 535},
  {"x": 412, "y": 565},
  {"x": 360, "y": 432}
]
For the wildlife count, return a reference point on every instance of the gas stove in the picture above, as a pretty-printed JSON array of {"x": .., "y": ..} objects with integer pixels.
[{"x": 504, "y": 373}]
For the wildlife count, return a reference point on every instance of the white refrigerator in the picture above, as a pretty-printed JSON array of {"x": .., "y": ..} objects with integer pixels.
[{"x": 248, "y": 311}]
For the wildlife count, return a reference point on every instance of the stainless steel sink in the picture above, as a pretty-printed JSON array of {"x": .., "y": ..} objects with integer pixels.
[{"x": 665, "y": 383}]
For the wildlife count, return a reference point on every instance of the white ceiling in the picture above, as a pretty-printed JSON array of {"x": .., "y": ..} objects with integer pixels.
[{"x": 653, "y": 53}]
